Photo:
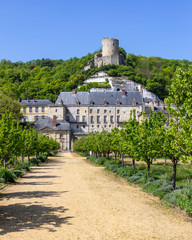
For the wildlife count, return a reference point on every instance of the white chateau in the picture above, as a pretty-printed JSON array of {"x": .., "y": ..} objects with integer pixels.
[{"x": 76, "y": 114}]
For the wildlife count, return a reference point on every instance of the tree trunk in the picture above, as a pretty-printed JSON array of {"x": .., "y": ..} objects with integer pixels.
[
  {"x": 148, "y": 168},
  {"x": 174, "y": 174},
  {"x": 165, "y": 160},
  {"x": 96, "y": 154},
  {"x": 115, "y": 158},
  {"x": 133, "y": 163},
  {"x": 28, "y": 159},
  {"x": 4, "y": 163},
  {"x": 22, "y": 157},
  {"x": 122, "y": 160},
  {"x": 108, "y": 155},
  {"x": 15, "y": 161}
]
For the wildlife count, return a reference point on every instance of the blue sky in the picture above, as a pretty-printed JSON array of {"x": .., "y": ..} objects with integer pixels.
[{"x": 61, "y": 29}]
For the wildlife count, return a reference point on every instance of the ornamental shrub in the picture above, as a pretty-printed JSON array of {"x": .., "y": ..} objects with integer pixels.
[
  {"x": 22, "y": 166},
  {"x": 18, "y": 173},
  {"x": 7, "y": 175}
]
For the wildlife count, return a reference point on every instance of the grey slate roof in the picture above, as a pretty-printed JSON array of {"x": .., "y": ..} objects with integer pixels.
[
  {"x": 98, "y": 98},
  {"x": 37, "y": 102},
  {"x": 61, "y": 125}
]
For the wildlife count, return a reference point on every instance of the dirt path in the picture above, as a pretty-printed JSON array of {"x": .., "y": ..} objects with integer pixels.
[{"x": 72, "y": 199}]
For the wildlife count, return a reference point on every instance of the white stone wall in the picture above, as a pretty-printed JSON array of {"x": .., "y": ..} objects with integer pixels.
[{"x": 58, "y": 111}]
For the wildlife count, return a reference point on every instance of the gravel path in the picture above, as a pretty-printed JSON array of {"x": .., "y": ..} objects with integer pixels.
[{"x": 69, "y": 198}]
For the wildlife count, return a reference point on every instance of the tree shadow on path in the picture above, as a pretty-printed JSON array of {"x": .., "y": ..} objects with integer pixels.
[
  {"x": 19, "y": 217},
  {"x": 32, "y": 194}
]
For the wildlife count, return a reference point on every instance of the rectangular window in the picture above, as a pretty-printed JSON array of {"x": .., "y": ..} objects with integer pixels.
[
  {"x": 77, "y": 118},
  {"x": 43, "y": 117},
  {"x": 97, "y": 110},
  {"x": 24, "y": 109},
  {"x": 118, "y": 111},
  {"x": 36, "y": 118},
  {"x": 83, "y": 126},
  {"x": 118, "y": 118},
  {"x": 98, "y": 119},
  {"x": 30, "y": 109},
  {"x": 43, "y": 109},
  {"x": 77, "y": 111},
  {"x": 36, "y": 109},
  {"x": 97, "y": 126},
  {"x": 105, "y": 119},
  {"x": 92, "y": 119},
  {"x": 105, "y": 110},
  {"x": 91, "y": 110},
  {"x": 111, "y": 119},
  {"x": 77, "y": 126},
  {"x": 83, "y": 119},
  {"x": 61, "y": 135}
]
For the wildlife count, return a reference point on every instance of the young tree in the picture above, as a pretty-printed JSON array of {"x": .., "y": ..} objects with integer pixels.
[
  {"x": 7, "y": 137},
  {"x": 149, "y": 139},
  {"x": 132, "y": 131},
  {"x": 178, "y": 137}
]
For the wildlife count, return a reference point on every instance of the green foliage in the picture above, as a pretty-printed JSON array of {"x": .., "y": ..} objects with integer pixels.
[
  {"x": 42, "y": 159},
  {"x": 125, "y": 172},
  {"x": 35, "y": 161},
  {"x": 88, "y": 86},
  {"x": 182, "y": 198},
  {"x": 22, "y": 166},
  {"x": 45, "y": 78},
  {"x": 137, "y": 178},
  {"x": 18, "y": 173},
  {"x": 7, "y": 175}
]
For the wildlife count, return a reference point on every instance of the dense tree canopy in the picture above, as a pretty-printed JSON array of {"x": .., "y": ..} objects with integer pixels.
[{"x": 46, "y": 78}]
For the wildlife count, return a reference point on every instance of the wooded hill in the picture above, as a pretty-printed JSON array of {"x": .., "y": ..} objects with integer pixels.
[{"x": 45, "y": 78}]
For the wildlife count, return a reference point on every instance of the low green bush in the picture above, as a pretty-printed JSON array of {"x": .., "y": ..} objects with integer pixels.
[
  {"x": 152, "y": 185},
  {"x": 112, "y": 167},
  {"x": 7, "y": 175},
  {"x": 100, "y": 160},
  {"x": 135, "y": 178},
  {"x": 84, "y": 154},
  {"x": 125, "y": 172},
  {"x": 18, "y": 173},
  {"x": 22, "y": 166},
  {"x": 35, "y": 161},
  {"x": 161, "y": 192},
  {"x": 92, "y": 158},
  {"x": 2, "y": 180},
  {"x": 42, "y": 158}
]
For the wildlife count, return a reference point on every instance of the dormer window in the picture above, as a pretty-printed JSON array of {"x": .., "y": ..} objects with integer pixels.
[
  {"x": 91, "y": 102},
  {"x": 118, "y": 101},
  {"x": 105, "y": 102},
  {"x": 77, "y": 102},
  {"x": 134, "y": 102}
]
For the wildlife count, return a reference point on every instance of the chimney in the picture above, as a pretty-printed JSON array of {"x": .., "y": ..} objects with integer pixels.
[
  {"x": 73, "y": 92},
  {"x": 123, "y": 92},
  {"x": 54, "y": 121},
  {"x": 141, "y": 90},
  {"x": 162, "y": 105},
  {"x": 33, "y": 99},
  {"x": 152, "y": 106}
]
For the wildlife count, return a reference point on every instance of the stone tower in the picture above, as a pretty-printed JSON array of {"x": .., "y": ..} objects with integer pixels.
[
  {"x": 110, "y": 47},
  {"x": 110, "y": 54}
]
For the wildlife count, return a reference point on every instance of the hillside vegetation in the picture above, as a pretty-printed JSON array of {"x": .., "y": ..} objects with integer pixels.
[{"x": 45, "y": 78}]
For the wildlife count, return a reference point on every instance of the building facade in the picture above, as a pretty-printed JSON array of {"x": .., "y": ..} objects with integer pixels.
[{"x": 76, "y": 114}]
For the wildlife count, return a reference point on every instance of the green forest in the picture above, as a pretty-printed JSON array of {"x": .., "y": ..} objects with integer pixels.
[{"x": 46, "y": 78}]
